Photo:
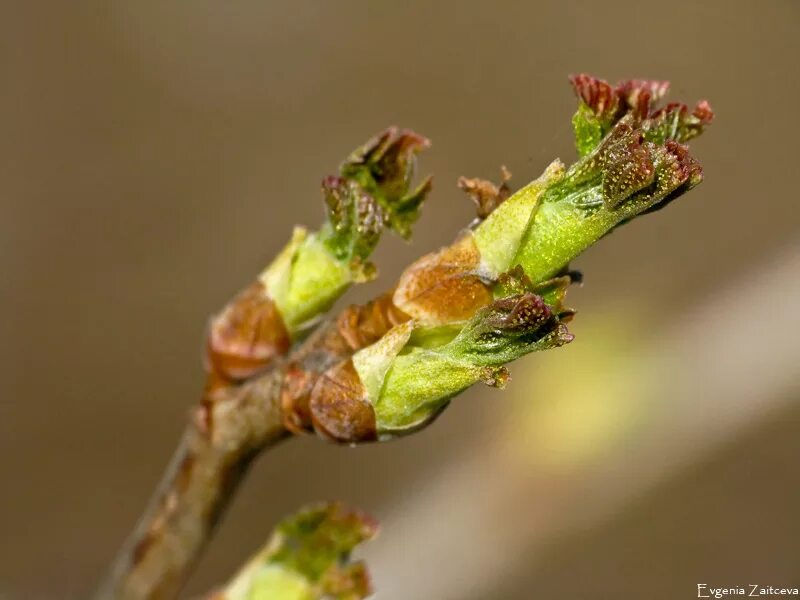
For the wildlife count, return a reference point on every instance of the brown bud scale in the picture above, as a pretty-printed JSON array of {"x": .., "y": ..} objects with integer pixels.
[
  {"x": 340, "y": 409},
  {"x": 247, "y": 336},
  {"x": 444, "y": 287},
  {"x": 356, "y": 327}
]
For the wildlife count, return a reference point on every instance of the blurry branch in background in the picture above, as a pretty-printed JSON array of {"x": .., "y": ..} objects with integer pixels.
[
  {"x": 454, "y": 318},
  {"x": 307, "y": 558}
]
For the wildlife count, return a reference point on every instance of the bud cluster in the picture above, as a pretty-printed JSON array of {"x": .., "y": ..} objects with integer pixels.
[
  {"x": 463, "y": 312},
  {"x": 371, "y": 193}
]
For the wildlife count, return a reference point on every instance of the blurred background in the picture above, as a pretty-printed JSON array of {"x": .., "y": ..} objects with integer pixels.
[{"x": 154, "y": 156}]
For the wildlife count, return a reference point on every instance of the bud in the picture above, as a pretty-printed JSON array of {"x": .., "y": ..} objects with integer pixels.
[
  {"x": 314, "y": 269},
  {"x": 602, "y": 106},
  {"x": 408, "y": 384},
  {"x": 248, "y": 335},
  {"x": 553, "y": 291},
  {"x": 508, "y": 329},
  {"x": 497, "y": 293},
  {"x": 623, "y": 176},
  {"x": 676, "y": 173},
  {"x": 308, "y": 558},
  {"x": 371, "y": 193},
  {"x": 340, "y": 407},
  {"x": 331, "y": 344},
  {"x": 626, "y": 165},
  {"x": 444, "y": 286},
  {"x": 384, "y": 168},
  {"x": 355, "y": 220},
  {"x": 251, "y": 331},
  {"x": 498, "y": 238}
]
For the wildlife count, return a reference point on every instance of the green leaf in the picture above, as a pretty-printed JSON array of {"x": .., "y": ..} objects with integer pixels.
[{"x": 588, "y": 129}]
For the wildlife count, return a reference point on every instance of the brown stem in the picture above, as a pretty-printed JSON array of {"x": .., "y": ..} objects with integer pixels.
[{"x": 233, "y": 424}]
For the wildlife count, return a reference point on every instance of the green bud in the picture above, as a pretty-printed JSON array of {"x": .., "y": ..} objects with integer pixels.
[
  {"x": 371, "y": 193},
  {"x": 355, "y": 220},
  {"x": 372, "y": 362},
  {"x": 508, "y": 329},
  {"x": 499, "y": 236},
  {"x": 553, "y": 291},
  {"x": 420, "y": 381},
  {"x": 306, "y": 279},
  {"x": 384, "y": 168},
  {"x": 624, "y": 176},
  {"x": 497, "y": 293},
  {"x": 601, "y": 106},
  {"x": 271, "y": 583},
  {"x": 307, "y": 558}
]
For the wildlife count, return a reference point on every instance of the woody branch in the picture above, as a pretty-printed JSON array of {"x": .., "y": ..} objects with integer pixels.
[{"x": 454, "y": 318}]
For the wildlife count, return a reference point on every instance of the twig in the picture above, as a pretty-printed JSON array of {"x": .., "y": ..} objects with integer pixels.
[
  {"x": 455, "y": 318},
  {"x": 240, "y": 412},
  {"x": 217, "y": 447}
]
